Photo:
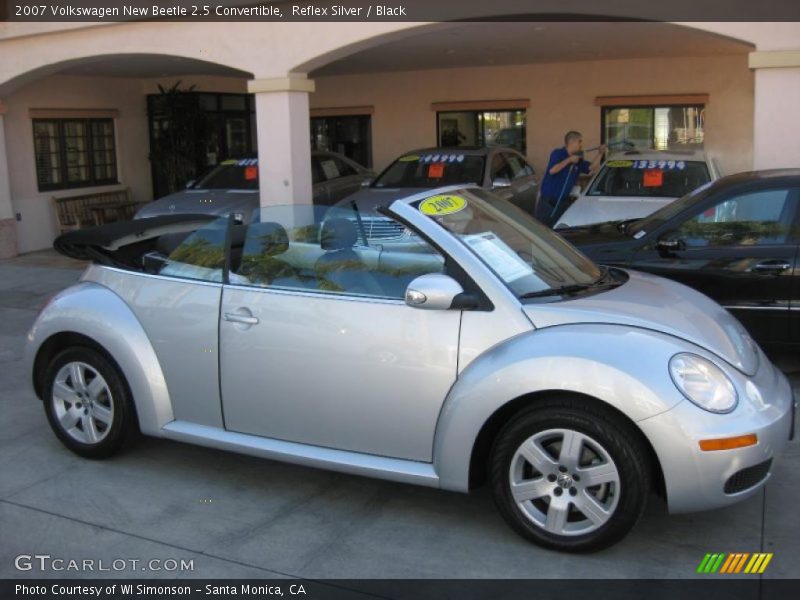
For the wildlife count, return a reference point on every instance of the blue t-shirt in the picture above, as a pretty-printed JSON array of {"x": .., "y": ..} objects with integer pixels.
[{"x": 562, "y": 182}]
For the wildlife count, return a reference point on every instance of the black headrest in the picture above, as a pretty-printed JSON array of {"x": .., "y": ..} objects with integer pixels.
[
  {"x": 266, "y": 238},
  {"x": 337, "y": 234}
]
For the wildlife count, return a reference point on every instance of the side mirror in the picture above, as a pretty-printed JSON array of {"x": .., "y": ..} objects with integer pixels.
[
  {"x": 670, "y": 242},
  {"x": 190, "y": 183},
  {"x": 433, "y": 291},
  {"x": 501, "y": 182}
]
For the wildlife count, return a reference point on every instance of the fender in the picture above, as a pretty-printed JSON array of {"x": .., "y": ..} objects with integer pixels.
[
  {"x": 98, "y": 313},
  {"x": 548, "y": 359}
]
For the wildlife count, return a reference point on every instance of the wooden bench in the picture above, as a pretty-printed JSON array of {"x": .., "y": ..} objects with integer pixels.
[{"x": 87, "y": 210}]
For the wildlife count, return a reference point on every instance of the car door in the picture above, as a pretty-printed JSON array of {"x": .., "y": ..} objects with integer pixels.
[
  {"x": 523, "y": 182},
  {"x": 177, "y": 302},
  {"x": 317, "y": 344},
  {"x": 741, "y": 250}
]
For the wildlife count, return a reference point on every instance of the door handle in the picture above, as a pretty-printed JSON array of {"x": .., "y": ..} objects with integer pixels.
[
  {"x": 776, "y": 266},
  {"x": 237, "y": 318}
]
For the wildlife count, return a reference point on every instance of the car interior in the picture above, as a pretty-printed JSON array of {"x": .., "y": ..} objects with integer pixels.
[{"x": 327, "y": 257}]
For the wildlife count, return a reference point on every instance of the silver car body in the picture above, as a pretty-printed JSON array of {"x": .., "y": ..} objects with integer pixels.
[
  {"x": 589, "y": 209},
  {"x": 403, "y": 394},
  {"x": 329, "y": 187}
]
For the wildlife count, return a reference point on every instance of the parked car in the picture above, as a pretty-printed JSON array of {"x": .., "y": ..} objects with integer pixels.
[
  {"x": 635, "y": 183},
  {"x": 232, "y": 187},
  {"x": 503, "y": 170},
  {"x": 735, "y": 240},
  {"x": 511, "y": 137},
  {"x": 486, "y": 347}
]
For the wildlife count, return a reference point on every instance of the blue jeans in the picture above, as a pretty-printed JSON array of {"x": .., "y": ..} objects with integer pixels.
[{"x": 544, "y": 211}]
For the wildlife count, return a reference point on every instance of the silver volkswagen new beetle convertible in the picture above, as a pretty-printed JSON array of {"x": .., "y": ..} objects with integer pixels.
[{"x": 467, "y": 343}]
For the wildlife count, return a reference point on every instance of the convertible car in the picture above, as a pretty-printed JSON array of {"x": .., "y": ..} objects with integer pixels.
[{"x": 481, "y": 346}]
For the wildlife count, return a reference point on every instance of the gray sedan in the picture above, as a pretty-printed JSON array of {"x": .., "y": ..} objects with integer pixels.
[
  {"x": 483, "y": 347},
  {"x": 232, "y": 187},
  {"x": 503, "y": 170}
]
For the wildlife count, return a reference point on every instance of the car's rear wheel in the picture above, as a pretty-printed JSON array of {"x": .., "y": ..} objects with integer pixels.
[
  {"x": 569, "y": 477},
  {"x": 88, "y": 403}
]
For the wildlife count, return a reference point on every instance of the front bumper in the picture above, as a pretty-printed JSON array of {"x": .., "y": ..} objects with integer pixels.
[{"x": 700, "y": 480}]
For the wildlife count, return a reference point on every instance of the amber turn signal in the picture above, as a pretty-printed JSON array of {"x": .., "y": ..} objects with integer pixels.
[{"x": 740, "y": 441}]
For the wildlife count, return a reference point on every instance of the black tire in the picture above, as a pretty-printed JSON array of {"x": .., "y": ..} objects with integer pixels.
[
  {"x": 123, "y": 427},
  {"x": 606, "y": 436}
]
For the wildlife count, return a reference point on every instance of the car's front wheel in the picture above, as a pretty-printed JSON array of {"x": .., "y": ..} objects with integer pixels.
[
  {"x": 87, "y": 403},
  {"x": 570, "y": 477}
]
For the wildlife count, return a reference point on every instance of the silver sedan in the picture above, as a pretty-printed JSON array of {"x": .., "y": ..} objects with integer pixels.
[{"x": 479, "y": 347}]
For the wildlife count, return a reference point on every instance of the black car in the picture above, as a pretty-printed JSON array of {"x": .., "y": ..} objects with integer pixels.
[{"x": 735, "y": 239}]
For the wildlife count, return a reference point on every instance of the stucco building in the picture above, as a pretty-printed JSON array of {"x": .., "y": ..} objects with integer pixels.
[{"x": 79, "y": 102}]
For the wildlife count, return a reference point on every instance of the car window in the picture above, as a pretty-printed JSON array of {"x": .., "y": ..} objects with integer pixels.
[
  {"x": 519, "y": 168},
  {"x": 758, "y": 218},
  {"x": 650, "y": 178},
  {"x": 501, "y": 168},
  {"x": 232, "y": 175},
  {"x": 316, "y": 171},
  {"x": 430, "y": 170},
  {"x": 199, "y": 256},
  {"x": 527, "y": 256},
  {"x": 334, "y": 250},
  {"x": 345, "y": 168}
]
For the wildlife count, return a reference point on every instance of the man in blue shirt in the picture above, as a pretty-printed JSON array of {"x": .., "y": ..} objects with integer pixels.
[{"x": 561, "y": 174}]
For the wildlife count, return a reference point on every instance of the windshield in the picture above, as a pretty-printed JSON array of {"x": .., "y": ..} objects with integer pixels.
[
  {"x": 526, "y": 255},
  {"x": 664, "y": 214},
  {"x": 239, "y": 174},
  {"x": 431, "y": 170},
  {"x": 649, "y": 178}
]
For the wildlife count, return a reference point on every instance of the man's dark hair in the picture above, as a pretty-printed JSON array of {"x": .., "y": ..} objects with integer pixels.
[{"x": 572, "y": 135}]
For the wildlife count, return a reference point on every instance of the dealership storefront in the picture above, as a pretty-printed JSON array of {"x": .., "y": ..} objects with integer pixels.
[{"x": 81, "y": 107}]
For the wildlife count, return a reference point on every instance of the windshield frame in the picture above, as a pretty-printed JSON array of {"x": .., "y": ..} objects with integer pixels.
[
  {"x": 592, "y": 192},
  {"x": 236, "y": 163},
  {"x": 515, "y": 226},
  {"x": 377, "y": 183}
]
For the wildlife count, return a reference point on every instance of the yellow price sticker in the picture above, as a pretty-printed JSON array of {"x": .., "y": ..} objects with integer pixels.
[
  {"x": 617, "y": 164},
  {"x": 409, "y": 158},
  {"x": 231, "y": 161},
  {"x": 442, "y": 204}
]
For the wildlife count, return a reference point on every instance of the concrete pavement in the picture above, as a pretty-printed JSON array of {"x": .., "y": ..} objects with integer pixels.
[{"x": 237, "y": 516}]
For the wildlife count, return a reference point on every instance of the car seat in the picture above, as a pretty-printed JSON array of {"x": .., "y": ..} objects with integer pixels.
[
  {"x": 263, "y": 244},
  {"x": 341, "y": 269}
]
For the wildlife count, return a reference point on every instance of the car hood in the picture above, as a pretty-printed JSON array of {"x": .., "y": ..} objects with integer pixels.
[
  {"x": 597, "y": 209},
  {"x": 651, "y": 302},
  {"x": 212, "y": 202}
]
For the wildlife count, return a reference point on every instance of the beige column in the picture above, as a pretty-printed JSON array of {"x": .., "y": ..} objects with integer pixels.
[
  {"x": 776, "y": 132},
  {"x": 8, "y": 228},
  {"x": 284, "y": 139}
]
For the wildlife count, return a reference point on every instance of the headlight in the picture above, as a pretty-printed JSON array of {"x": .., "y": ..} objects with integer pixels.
[{"x": 703, "y": 382}]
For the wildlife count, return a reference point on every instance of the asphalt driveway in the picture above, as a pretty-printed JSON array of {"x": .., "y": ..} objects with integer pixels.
[{"x": 237, "y": 516}]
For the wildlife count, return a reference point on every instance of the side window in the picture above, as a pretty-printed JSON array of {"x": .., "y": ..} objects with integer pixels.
[
  {"x": 754, "y": 219},
  {"x": 501, "y": 168},
  {"x": 330, "y": 250},
  {"x": 200, "y": 255},
  {"x": 330, "y": 167},
  {"x": 519, "y": 168},
  {"x": 345, "y": 170},
  {"x": 317, "y": 176}
]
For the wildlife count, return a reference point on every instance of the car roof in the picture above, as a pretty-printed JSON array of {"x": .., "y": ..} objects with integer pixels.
[
  {"x": 698, "y": 155},
  {"x": 778, "y": 176},
  {"x": 469, "y": 150}
]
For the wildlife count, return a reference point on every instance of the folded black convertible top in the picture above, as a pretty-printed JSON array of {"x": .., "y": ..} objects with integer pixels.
[{"x": 99, "y": 243}]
